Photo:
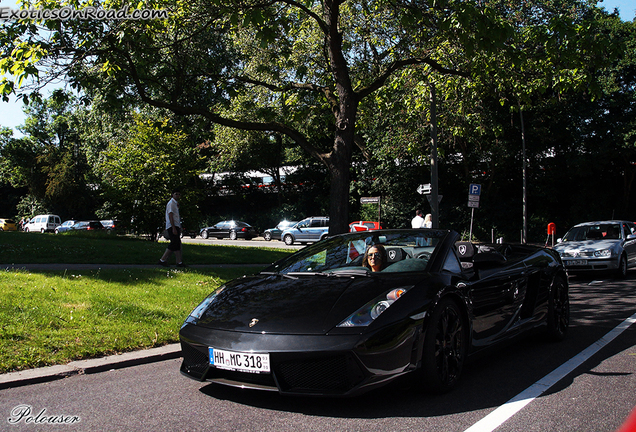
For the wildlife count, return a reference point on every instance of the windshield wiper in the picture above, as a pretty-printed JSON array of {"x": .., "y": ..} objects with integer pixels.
[{"x": 278, "y": 274}]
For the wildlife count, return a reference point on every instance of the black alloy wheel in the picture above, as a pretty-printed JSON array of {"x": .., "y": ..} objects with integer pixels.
[
  {"x": 621, "y": 272},
  {"x": 444, "y": 347},
  {"x": 558, "y": 309}
]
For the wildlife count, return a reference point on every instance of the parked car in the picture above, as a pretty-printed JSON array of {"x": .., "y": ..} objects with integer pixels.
[
  {"x": 317, "y": 322},
  {"x": 66, "y": 225},
  {"x": 599, "y": 246},
  {"x": 310, "y": 229},
  {"x": 364, "y": 226},
  {"x": 275, "y": 233},
  {"x": 8, "y": 225},
  {"x": 230, "y": 229},
  {"x": 112, "y": 225},
  {"x": 43, "y": 223},
  {"x": 93, "y": 225}
]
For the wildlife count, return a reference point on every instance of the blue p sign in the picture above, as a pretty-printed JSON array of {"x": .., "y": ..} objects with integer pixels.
[{"x": 474, "y": 189}]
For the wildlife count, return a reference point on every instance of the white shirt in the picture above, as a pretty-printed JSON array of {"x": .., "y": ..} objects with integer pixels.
[
  {"x": 173, "y": 207},
  {"x": 417, "y": 222}
]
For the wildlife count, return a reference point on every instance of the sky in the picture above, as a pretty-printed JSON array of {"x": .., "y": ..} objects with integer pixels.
[{"x": 12, "y": 115}]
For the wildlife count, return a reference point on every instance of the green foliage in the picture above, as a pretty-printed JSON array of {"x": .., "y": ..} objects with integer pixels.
[{"x": 139, "y": 173}]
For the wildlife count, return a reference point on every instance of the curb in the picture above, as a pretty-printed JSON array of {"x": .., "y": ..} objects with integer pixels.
[{"x": 90, "y": 366}]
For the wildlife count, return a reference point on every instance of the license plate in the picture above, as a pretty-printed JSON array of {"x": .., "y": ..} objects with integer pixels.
[
  {"x": 575, "y": 263},
  {"x": 239, "y": 361}
]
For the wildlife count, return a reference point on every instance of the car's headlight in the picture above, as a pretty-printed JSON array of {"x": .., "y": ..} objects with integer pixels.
[
  {"x": 370, "y": 311},
  {"x": 603, "y": 253}
]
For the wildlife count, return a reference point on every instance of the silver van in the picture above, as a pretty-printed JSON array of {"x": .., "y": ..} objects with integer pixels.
[
  {"x": 310, "y": 229},
  {"x": 43, "y": 223}
]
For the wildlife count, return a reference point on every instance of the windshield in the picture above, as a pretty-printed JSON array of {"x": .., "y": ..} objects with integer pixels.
[
  {"x": 393, "y": 251},
  {"x": 594, "y": 232}
]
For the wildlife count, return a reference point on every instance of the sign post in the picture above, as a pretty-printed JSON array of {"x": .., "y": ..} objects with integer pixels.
[
  {"x": 474, "y": 191},
  {"x": 374, "y": 200}
]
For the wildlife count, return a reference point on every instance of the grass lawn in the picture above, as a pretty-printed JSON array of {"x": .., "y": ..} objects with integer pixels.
[
  {"x": 53, "y": 317},
  {"x": 89, "y": 248}
]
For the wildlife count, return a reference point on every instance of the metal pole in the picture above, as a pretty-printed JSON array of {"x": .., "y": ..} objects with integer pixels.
[
  {"x": 524, "y": 235},
  {"x": 434, "y": 173}
]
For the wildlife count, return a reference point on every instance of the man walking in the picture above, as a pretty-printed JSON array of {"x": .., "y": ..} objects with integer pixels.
[{"x": 173, "y": 226}]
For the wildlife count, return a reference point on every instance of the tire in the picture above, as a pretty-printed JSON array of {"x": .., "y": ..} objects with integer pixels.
[
  {"x": 621, "y": 271},
  {"x": 204, "y": 234},
  {"x": 558, "y": 310},
  {"x": 267, "y": 236},
  {"x": 444, "y": 350},
  {"x": 57, "y": 231},
  {"x": 289, "y": 239},
  {"x": 232, "y": 235},
  {"x": 41, "y": 230},
  {"x": 324, "y": 236}
]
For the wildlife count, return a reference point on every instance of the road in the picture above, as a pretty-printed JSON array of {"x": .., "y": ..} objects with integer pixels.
[
  {"x": 596, "y": 396},
  {"x": 256, "y": 242}
]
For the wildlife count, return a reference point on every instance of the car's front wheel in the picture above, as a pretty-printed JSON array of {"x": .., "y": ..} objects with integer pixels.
[
  {"x": 289, "y": 240},
  {"x": 232, "y": 235},
  {"x": 267, "y": 236},
  {"x": 621, "y": 271},
  {"x": 204, "y": 234},
  {"x": 558, "y": 309},
  {"x": 444, "y": 347}
]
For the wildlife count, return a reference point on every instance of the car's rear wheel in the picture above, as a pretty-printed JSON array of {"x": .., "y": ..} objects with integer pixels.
[
  {"x": 204, "y": 234},
  {"x": 621, "y": 272},
  {"x": 558, "y": 309},
  {"x": 289, "y": 240},
  {"x": 232, "y": 235},
  {"x": 267, "y": 236},
  {"x": 444, "y": 347}
]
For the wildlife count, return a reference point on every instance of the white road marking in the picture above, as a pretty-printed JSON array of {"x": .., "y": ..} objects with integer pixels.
[{"x": 514, "y": 405}]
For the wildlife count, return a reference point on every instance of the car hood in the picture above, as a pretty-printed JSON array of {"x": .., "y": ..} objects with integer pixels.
[
  {"x": 302, "y": 305},
  {"x": 586, "y": 245}
]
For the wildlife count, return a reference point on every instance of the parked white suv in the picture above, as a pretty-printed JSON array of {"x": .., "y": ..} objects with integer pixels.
[
  {"x": 310, "y": 229},
  {"x": 43, "y": 223}
]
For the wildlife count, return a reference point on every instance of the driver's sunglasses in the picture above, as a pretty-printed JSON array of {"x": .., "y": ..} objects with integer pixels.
[{"x": 375, "y": 255}]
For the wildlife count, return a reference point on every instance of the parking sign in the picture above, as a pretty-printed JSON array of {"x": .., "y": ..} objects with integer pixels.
[{"x": 474, "y": 189}]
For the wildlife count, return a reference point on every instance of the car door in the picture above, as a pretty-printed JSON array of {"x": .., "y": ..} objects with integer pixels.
[
  {"x": 629, "y": 233},
  {"x": 303, "y": 230},
  {"x": 496, "y": 296}
]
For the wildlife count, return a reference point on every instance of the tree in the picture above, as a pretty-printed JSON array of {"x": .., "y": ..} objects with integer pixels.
[
  {"x": 139, "y": 174},
  {"x": 300, "y": 69}
]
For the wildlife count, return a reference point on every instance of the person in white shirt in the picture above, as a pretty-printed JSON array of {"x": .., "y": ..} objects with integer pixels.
[
  {"x": 418, "y": 220},
  {"x": 173, "y": 227},
  {"x": 428, "y": 221}
]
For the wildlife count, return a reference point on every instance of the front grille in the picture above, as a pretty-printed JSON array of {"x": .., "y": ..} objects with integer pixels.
[
  {"x": 195, "y": 361},
  {"x": 334, "y": 374}
]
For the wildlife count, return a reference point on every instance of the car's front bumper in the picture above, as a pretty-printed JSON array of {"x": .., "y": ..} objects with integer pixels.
[
  {"x": 576, "y": 265},
  {"x": 335, "y": 365}
]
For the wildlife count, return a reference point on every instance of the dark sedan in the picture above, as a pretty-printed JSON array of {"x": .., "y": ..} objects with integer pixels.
[
  {"x": 230, "y": 229},
  {"x": 322, "y": 322},
  {"x": 275, "y": 233}
]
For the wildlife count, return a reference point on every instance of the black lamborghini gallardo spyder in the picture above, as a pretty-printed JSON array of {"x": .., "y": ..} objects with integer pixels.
[{"x": 324, "y": 322}]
